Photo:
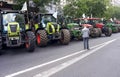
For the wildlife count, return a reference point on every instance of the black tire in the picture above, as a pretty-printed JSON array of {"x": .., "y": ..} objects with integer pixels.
[
  {"x": 41, "y": 37},
  {"x": 116, "y": 30},
  {"x": 100, "y": 32},
  {"x": 94, "y": 32},
  {"x": 119, "y": 28},
  {"x": 108, "y": 31},
  {"x": 65, "y": 36},
  {"x": 30, "y": 41}
]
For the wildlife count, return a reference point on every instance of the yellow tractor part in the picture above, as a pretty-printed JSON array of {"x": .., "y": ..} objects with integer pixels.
[{"x": 13, "y": 33}]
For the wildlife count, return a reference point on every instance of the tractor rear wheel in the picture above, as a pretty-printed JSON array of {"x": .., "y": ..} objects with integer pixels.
[
  {"x": 65, "y": 36},
  {"x": 100, "y": 32},
  {"x": 116, "y": 30},
  {"x": 41, "y": 37},
  {"x": 30, "y": 41},
  {"x": 94, "y": 32},
  {"x": 108, "y": 31}
]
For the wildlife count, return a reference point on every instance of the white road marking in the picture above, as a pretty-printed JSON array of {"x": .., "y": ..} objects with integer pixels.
[
  {"x": 50, "y": 62},
  {"x": 70, "y": 62}
]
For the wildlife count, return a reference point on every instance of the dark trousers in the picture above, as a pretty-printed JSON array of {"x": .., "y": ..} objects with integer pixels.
[{"x": 86, "y": 42}]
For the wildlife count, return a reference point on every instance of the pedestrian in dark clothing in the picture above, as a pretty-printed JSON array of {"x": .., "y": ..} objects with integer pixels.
[{"x": 85, "y": 35}]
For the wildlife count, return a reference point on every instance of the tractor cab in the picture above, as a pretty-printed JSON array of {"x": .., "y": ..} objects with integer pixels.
[
  {"x": 12, "y": 21},
  {"x": 46, "y": 21},
  {"x": 96, "y": 22},
  {"x": 46, "y": 18},
  {"x": 112, "y": 25}
]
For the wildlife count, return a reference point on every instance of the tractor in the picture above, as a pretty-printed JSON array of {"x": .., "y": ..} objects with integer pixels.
[
  {"x": 47, "y": 29},
  {"x": 98, "y": 27},
  {"x": 94, "y": 32},
  {"x": 14, "y": 32},
  {"x": 74, "y": 27},
  {"x": 103, "y": 28},
  {"x": 111, "y": 25}
]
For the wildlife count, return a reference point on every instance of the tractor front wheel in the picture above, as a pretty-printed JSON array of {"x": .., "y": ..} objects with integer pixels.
[
  {"x": 65, "y": 36},
  {"x": 108, "y": 32},
  {"x": 30, "y": 41},
  {"x": 41, "y": 37}
]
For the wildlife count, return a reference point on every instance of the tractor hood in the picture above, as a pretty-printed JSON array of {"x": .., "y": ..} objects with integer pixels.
[
  {"x": 72, "y": 24},
  {"x": 99, "y": 25},
  {"x": 87, "y": 25}
]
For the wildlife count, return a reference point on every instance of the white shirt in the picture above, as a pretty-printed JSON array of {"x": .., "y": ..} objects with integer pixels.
[{"x": 85, "y": 32}]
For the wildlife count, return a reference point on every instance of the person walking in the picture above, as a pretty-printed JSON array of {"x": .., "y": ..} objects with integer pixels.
[{"x": 85, "y": 36}]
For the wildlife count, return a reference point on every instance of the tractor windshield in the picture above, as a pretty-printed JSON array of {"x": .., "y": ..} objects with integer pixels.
[
  {"x": 48, "y": 18},
  {"x": 12, "y": 17}
]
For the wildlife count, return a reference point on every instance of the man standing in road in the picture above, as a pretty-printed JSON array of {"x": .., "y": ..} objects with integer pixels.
[{"x": 85, "y": 35}]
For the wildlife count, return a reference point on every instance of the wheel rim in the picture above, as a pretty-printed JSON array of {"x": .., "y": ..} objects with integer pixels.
[
  {"x": 27, "y": 43},
  {"x": 38, "y": 39}
]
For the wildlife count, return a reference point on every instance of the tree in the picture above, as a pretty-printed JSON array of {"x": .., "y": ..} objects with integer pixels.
[
  {"x": 40, "y": 3},
  {"x": 77, "y": 7}
]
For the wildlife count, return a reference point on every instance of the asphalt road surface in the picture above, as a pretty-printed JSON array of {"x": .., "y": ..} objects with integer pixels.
[{"x": 102, "y": 60}]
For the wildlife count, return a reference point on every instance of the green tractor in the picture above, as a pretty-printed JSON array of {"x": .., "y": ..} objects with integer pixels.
[
  {"x": 47, "y": 29},
  {"x": 14, "y": 32},
  {"x": 74, "y": 27},
  {"x": 112, "y": 25}
]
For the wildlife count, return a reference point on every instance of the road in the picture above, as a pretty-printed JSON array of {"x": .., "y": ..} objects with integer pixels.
[{"x": 102, "y": 60}]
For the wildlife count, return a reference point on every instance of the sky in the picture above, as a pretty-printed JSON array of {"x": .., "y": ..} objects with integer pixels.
[{"x": 116, "y": 2}]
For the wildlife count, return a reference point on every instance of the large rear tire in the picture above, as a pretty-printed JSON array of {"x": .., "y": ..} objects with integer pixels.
[
  {"x": 65, "y": 36},
  {"x": 94, "y": 32},
  {"x": 100, "y": 32},
  {"x": 108, "y": 31},
  {"x": 30, "y": 41},
  {"x": 41, "y": 37}
]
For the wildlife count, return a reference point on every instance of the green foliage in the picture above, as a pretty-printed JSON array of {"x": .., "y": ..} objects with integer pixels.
[
  {"x": 75, "y": 8},
  {"x": 116, "y": 12},
  {"x": 39, "y": 3},
  {"x": 98, "y": 8}
]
